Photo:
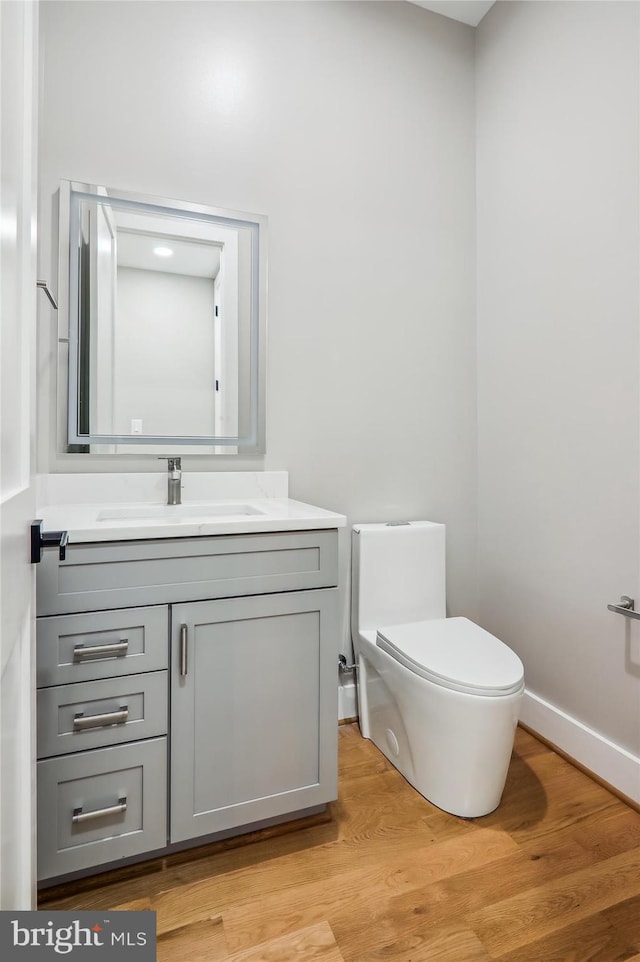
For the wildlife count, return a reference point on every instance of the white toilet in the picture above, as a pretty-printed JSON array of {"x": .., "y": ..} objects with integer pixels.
[{"x": 439, "y": 696}]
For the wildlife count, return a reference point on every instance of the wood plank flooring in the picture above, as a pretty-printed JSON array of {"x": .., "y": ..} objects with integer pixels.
[{"x": 553, "y": 874}]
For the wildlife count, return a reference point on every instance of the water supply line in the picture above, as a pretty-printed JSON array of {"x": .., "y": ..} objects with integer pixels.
[{"x": 343, "y": 666}]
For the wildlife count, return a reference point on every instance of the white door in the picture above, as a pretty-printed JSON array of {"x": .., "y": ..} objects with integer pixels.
[
  {"x": 18, "y": 91},
  {"x": 218, "y": 397}
]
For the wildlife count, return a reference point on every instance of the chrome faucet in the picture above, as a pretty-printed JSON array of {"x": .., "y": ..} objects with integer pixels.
[{"x": 174, "y": 481}]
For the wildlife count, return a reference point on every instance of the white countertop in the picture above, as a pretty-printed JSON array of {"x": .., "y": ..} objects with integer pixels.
[
  {"x": 128, "y": 507},
  {"x": 91, "y": 522}
]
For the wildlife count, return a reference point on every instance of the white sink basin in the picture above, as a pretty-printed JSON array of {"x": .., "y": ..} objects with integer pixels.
[{"x": 177, "y": 512}]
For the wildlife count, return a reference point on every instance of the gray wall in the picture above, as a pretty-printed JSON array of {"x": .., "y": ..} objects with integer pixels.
[
  {"x": 351, "y": 126},
  {"x": 558, "y": 362}
]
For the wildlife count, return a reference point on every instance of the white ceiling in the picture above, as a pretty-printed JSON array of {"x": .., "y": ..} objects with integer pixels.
[
  {"x": 193, "y": 259},
  {"x": 467, "y": 11}
]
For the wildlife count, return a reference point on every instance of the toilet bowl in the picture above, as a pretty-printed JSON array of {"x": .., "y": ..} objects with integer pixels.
[{"x": 438, "y": 696}]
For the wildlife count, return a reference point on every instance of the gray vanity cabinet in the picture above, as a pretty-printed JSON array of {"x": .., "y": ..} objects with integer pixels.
[
  {"x": 207, "y": 664},
  {"x": 254, "y": 720}
]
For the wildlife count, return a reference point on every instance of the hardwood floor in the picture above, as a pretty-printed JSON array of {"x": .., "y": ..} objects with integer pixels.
[{"x": 553, "y": 874}]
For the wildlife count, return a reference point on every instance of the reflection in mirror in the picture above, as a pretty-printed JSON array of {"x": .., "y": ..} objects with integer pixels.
[{"x": 166, "y": 325}]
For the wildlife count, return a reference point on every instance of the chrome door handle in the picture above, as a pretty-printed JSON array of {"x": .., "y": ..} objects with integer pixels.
[
  {"x": 47, "y": 539},
  {"x": 625, "y": 607}
]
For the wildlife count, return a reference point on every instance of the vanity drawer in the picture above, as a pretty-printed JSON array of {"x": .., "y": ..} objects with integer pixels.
[
  {"x": 120, "y": 573},
  {"x": 94, "y": 714},
  {"x": 102, "y": 644},
  {"x": 99, "y": 806}
]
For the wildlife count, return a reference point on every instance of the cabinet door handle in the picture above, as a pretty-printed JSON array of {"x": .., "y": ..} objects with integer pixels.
[
  {"x": 80, "y": 816},
  {"x": 81, "y": 722},
  {"x": 183, "y": 649},
  {"x": 95, "y": 651}
]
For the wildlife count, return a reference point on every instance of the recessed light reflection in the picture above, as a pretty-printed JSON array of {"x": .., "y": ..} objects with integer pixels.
[{"x": 163, "y": 251}]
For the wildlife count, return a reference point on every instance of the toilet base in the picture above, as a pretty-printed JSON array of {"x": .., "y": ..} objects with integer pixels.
[{"x": 454, "y": 748}]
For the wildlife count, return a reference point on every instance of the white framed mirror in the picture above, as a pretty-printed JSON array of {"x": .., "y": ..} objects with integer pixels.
[{"x": 167, "y": 325}]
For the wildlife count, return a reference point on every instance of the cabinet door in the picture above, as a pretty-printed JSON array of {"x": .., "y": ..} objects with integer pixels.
[
  {"x": 254, "y": 710},
  {"x": 101, "y": 644},
  {"x": 94, "y": 714},
  {"x": 98, "y": 806}
]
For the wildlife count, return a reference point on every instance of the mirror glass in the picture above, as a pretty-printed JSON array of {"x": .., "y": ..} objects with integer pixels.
[{"x": 166, "y": 325}]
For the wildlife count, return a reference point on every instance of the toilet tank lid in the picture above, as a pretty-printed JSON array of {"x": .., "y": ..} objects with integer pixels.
[
  {"x": 382, "y": 525},
  {"x": 454, "y": 653}
]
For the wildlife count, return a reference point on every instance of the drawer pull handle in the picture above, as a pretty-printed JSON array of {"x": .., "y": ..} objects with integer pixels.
[
  {"x": 183, "y": 650},
  {"x": 81, "y": 722},
  {"x": 79, "y": 816},
  {"x": 94, "y": 651}
]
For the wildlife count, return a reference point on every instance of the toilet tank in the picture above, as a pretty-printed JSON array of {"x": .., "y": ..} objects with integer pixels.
[{"x": 397, "y": 574}]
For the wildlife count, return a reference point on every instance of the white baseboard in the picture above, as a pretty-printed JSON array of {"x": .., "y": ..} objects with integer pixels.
[
  {"x": 347, "y": 700},
  {"x": 608, "y": 761}
]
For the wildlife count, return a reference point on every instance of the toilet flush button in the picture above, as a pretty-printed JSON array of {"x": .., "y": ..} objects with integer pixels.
[{"x": 392, "y": 742}]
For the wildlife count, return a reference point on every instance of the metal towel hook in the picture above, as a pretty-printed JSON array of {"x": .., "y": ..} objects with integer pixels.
[
  {"x": 625, "y": 607},
  {"x": 44, "y": 287}
]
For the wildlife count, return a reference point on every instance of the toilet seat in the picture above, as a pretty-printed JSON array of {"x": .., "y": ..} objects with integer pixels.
[{"x": 454, "y": 653}]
